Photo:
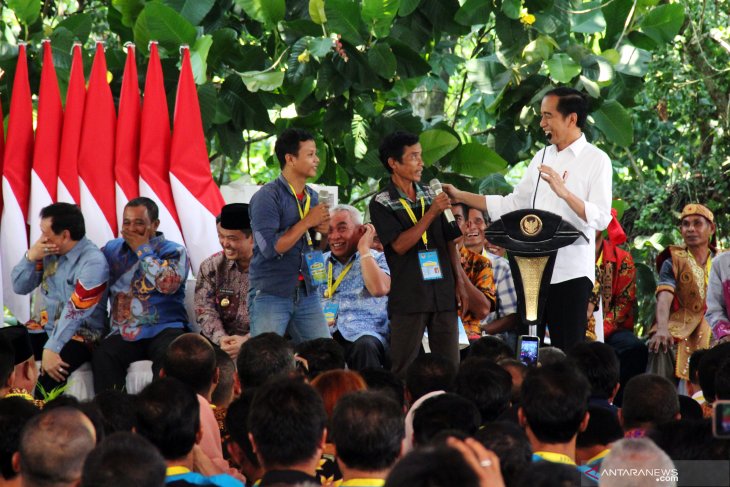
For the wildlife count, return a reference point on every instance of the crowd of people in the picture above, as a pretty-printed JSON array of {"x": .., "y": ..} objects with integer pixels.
[{"x": 328, "y": 351}]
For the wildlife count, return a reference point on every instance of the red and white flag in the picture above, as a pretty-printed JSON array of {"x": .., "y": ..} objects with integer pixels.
[
  {"x": 44, "y": 177},
  {"x": 154, "y": 149},
  {"x": 16, "y": 185},
  {"x": 96, "y": 156},
  {"x": 2, "y": 157},
  {"x": 192, "y": 182},
  {"x": 68, "y": 168},
  {"x": 126, "y": 167}
]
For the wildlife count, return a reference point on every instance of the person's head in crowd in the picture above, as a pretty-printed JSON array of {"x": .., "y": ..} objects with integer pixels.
[
  {"x": 689, "y": 408},
  {"x": 385, "y": 381},
  {"x": 492, "y": 348},
  {"x": 690, "y": 440},
  {"x": 141, "y": 217},
  {"x": 262, "y": 357},
  {"x": 367, "y": 430},
  {"x": 7, "y": 366},
  {"x": 345, "y": 231},
  {"x": 602, "y": 430},
  {"x": 553, "y": 407},
  {"x": 697, "y": 225},
  {"x": 476, "y": 226},
  {"x": 639, "y": 454},
  {"x": 89, "y": 409},
  {"x": 428, "y": 373},
  {"x": 190, "y": 358},
  {"x": 517, "y": 370},
  {"x": 228, "y": 386},
  {"x": 549, "y": 474},
  {"x": 600, "y": 365},
  {"x": 117, "y": 409},
  {"x": 334, "y": 384},
  {"x": 722, "y": 381},
  {"x": 26, "y": 370},
  {"x": 709, "y": 365},
  {"x": 15, "y": 412},
  {"x": 486, "y": 384},
  {"x": 124, "y": 459},
  {"x": 240, "y": 447},
  {"x": 550, "y": 355},
  {"x": 286, "y": 425},
  {"x": 62, "y": 225},
  {"x": 321, "y": 354},
  {"x": 432, "y": 466},
  {"x": 511, "y": 445},
  {"x": 564, "y": 111},
  {"x": 292, "y": 145},
  {"x": 53, "y": 448},
  {"x": 444, "y": 412},
  {"x": 234, "y": 233},
  {"x": 168, "y": 415},
  {"x": 649, "y": 400},
  {"x": 693, "y": 384},
  {"x": 397, "y": 146}
]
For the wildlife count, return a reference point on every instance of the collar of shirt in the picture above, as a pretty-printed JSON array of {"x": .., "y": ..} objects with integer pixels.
[
  {"x": 363, "y": 483},
  {"x": 74, "y": 254},
  {"x": 395, "y": 193},
  {"x": 281, "y": 180},
  {"x": 576, "y": 147},
  {"x": 549, "y": 456},
  {"x": 153, "y": 242}
]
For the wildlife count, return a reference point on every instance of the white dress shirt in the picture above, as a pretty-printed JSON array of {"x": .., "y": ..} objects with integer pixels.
[{"x": 587, "y": 173}]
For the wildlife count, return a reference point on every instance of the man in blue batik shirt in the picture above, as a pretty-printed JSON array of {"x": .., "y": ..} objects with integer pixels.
[
  {"x": 355, "y": 295},
  {"x": 147, "y": 285},
  {"x": 72, "y": 274}
]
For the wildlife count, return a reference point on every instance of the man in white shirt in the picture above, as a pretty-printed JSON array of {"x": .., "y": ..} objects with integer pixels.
[{"x": 576, "y": 185}]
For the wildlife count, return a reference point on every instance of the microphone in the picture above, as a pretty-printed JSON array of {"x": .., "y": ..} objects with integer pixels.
[
  {"x": 328, "y": 199},
  {"x": 435, "y": 186}
]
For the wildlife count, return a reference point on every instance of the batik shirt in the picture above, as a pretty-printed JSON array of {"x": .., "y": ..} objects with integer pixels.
[
  {"x": 504, "y": 288},
  {"x": 147, "y": 287},
  {"x": 72, "y": 286},
  {"x": 718, "y": 296},
  {"x": 479, "y": 271},
  {"x": 220, "y": 298}
]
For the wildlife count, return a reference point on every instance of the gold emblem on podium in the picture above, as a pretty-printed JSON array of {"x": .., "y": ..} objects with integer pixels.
[
  {"x": 530, "y": 225},
  {"x": 225, "y": 302}
]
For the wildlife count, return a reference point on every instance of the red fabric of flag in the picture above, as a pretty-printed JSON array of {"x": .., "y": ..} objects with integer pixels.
[
  {"x": 68, "y": 168},
  {"x": 126, "y": 168}
]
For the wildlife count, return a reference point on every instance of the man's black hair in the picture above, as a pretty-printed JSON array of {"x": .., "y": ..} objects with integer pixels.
[
  {"x": 14, "y": 413},
  {"x": 226, "y": 376},
  {"x": 237, "y": 425},
  {"x": 367, "y": 429},
  {"x": 510, "y": 443},
  {"x": 89, "y": 409},
  {"x": 152, "y": 210},
  {"x": 722, "y": 381},
  {"x": 709, "y": 365},
  {"x": 554, "y": 401},
  {"x": 429, "y": 372},
  {"x": 117, "y": 409},
  {"x": 124, "y": 459},
  {"x": 394, "y": 145},
  {"x": 486, "y": 384},
  {"x": 599, "y": 363},
  {"x": 321, "y": 354},
  {"x": 168, "y": 415},
  {"x": 690, "y": 440},
  {"x": 262, "y": 357},
  {"x": 288, "y": 143},
  {"x": 694, "y": 364},
  {"x": 287, "y": 421},
  {"x": 549, "y": 474},
  {"x": 65, "y": 216},
  {"x": 649, "y": 399},
  {"x": 492, "y": 348},
  {"x": 385, "y": 381},
  {"x": 444, "y": 412},
  {"x": 190, "y": 358},
  {"x": 603, "y": 428},
  {"x": 432, "y": 466},
  {"x": 7, "y": 360},
  {"x": 570, "y": 101},
  {"x": 689, "y": 408}
]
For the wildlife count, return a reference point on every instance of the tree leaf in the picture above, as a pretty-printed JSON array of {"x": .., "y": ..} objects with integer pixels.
[
  {"x": 343, "y": 17},
  {"x": 260, "y": 80},
  {"x": 410, "y": 63},
  {"x": 378, "y": 15},
  {"x": 407, "y": 7},
  {"x": 320, "y": 47},
  {"x": 436, "y": 144},
  {"x": 474, "y": 12},
  {"x": 662, "y": 23},
  {"x": 316, "y": 11},
  {"x": 193, "y": 10},
  {"x": 199, "y": 57},
  {"x": 511, "y": 8},
  {"x": 590, "y": 22},
  {"x": 562, "y": 68},
  {"x": 615, "y": 122},
  {"x": 268, "y": 12},
  {"x": 633, "y": 61},
  {"x": 487, "y": 74},
  {"x": 79, "y": 25},
  {"x": 160, "y": 23},
  {"x": 382, "y": 60},
  {"x": 476, "y": 160},
  {"x": 129, "y": 9},
  {"x": 27, "y": 11},
  {"x": 495, "y": 184}
]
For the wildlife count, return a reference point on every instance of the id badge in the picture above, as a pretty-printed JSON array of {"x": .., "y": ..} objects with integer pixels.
[
  {"x": 330, "y": 313},
  {"x": 430, "y": 267},
  {"x": 315, "y": 264}
]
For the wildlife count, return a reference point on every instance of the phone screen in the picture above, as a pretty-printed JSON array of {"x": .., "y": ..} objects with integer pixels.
[
  {"x": 721, "y": 419},
  {"x": 528, "y": 350}
]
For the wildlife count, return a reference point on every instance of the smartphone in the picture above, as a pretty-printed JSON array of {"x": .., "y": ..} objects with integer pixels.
[
  {"x": 527, "y": 349},
  {"x": 721, "y": 419}
]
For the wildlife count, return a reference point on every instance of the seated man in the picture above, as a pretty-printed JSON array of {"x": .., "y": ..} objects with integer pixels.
[
  {"x": 147, "y": 283},
  {"x": 222, "y": 285},
  {"x": 649, "y": 400},
  {"x": 124, "y": 459},
  {"x": 358, "y": 281},
  {"x": 14, "y": 414},
  {"x": 72, "y": 274},
  {"x": 263, "y": 357}
]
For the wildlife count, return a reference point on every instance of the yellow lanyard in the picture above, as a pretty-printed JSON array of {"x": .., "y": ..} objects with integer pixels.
[
  {"x": 408, "y": 209},
  {"x": 331, "y": 288},
  {"x": 302, "y": 212},
  {"x": 554, "y": 457},
  {"x": 600, "y": 259}
]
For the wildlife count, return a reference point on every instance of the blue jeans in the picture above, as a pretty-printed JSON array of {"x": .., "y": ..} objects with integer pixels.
[{"x": 300, "y": 315}]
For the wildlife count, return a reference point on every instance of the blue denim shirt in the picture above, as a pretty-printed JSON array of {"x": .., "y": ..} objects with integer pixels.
[
  {"x": 273, "y": 210},
  {"x": 73, "y": 285}
]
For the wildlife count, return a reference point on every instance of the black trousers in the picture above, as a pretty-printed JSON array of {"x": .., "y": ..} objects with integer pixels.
[
  {"x": 566, "y": 314},
  {"x": 364, "y": 353},
  {"x": 406, "y": 335},
  {"x": 113, "y": 356},
  {"x": 74, "y": 353},
  {"x": 632, "y": 356}
]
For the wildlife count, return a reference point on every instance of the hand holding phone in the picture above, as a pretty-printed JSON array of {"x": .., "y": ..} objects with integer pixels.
[{"x": 527, "y": 350}]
